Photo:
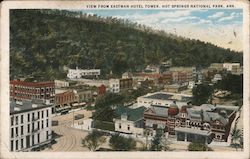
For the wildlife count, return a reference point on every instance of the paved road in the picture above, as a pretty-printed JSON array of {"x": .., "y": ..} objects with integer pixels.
[{"x": 70, "y": 138}]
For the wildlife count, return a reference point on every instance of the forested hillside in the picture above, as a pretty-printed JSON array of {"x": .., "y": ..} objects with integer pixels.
[{"x": 42, "y": 42}]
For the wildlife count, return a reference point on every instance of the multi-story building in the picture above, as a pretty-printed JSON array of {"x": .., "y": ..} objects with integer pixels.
[
  {"x": 216, "y": 66},
  {"x": 114, "y": 85},
  {"x": 65, "y": 98},
  {"x": 30, "y": 125},
  {"x": 20, "y": 90},
  {"x": 61, "y": 84},
  {"x": 184, "y": 73},
  {"x": 232, "y": 67},
  {"x": 192, "y": 123},
  {"x": 79, "y": 73},
  {"x": 126, "y": 83}
]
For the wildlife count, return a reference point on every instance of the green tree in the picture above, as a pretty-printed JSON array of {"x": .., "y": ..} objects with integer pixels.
[
  {"x": 195, "y": 146},
  {"x": 104, "y": 107},
  {"x": 236, "y": 135},
  {"x": 120, "y": 143},
  {"x": 94, "y": 140},
  {"x": 201, "y": 94},
  {"x": 156, "y": 144}
]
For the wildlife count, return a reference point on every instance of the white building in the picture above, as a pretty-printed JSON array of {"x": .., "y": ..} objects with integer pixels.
[
  {"x": 30, "y": 125},
  {"x": 79, "y": 73},
  {"x": 163, "y": 99},
  {"x": 60, "y": 84},
  {"x": 114, "y": 85},
  {"x": 129, "y": 121},
  {"x": 232, "y": 67},
  {"x": 217, "y": 77}
]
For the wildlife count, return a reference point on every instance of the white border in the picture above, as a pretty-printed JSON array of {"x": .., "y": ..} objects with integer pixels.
[{"x": 4, "y": 85}]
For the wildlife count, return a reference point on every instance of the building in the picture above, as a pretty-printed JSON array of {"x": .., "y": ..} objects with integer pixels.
[
  {"x": 192, "y": 123},
  {"x": 183, "y": 74},
  {"x": 127, "y": 75},
  {"x": 65, "y": 98},
  {"x": 163, "y": 99},
  {"x": 114, "y": 85},
  {"x": 152, "y": 69},
  {"x": 30, "y": 125},
  {"x": 175, "y": 88},
  {"x": 102, "y": 89},
  {"x": 129, "y": 121},
  {"x": 79, "y": 73},
  {"x": 126, "y": 84},
  {"x": 60, "y": 83},
  {"x": 234, "y": 68},
  {"x": 217, "y": 77},
  {"x": 216, "y": 66},
  {"x": 21, "y": 90}
]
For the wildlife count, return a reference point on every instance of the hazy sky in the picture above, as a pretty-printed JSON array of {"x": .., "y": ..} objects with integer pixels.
[{"x": 222, "y": 27}]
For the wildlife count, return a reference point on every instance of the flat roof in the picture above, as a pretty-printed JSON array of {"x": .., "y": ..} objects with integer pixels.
[
  {"x": 168, "y": 96},
  {"x": 193, "y": 131},
  {"x": 27, "y": 105}
]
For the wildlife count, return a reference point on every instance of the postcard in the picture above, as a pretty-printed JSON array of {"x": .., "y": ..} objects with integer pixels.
[{"x": 127, "y": 79}]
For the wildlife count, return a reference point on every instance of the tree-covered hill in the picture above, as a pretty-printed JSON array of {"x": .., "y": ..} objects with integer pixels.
[{"x": 43, "y": 42}]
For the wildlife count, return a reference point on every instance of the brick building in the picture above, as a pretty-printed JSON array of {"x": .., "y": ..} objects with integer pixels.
[{"x": 21, "y": 90}]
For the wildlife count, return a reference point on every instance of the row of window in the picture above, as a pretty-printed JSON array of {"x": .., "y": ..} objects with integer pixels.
[
  {"x": 22, "y": 145},
  {"x": 120, "y": 126},
  {"x": 34, "y": 117},
  {"x": 30, "y": 128}
]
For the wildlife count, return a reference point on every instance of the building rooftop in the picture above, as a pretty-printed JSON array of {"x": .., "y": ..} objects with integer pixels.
[
  {"x": 27, "y": 105},
  {"x": 169, "y": 96},
  {"x": 132, "y": 114}
]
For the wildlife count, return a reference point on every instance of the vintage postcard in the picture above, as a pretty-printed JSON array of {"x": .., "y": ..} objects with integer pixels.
[{"x": 127, "y": 79}]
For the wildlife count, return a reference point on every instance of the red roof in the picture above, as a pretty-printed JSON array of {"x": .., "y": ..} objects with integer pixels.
[{"x": 34, "y": 84}]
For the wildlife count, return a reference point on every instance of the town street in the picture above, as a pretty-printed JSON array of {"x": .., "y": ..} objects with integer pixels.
[{"x": 69, "y": 138}]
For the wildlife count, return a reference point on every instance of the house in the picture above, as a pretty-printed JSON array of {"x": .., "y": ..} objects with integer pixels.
[
  {"x": 129, "y": 121},
  {"x": 30, "y": 124}
]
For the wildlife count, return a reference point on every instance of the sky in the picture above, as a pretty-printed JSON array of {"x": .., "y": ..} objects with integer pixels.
[{"x": 221, "y": 27}]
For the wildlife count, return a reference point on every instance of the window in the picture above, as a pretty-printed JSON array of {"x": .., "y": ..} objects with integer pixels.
[
  {"x": 120, "y": 125},
  {"x": 12, "y": 121},
  {"x": 47, "y": 122},
  {"x": 12, "y": 146},
  {"x": 21, "y": 130},
  {"x": 33, "y": 126},
  {"x": 128, "y": 127},
  {"x": 47, "y": 135},
  {"x": 42, "y": 124},
  {"x": 16, "y": 144},
  {"x": 28, "y": 128},
  {"x": 12, "y": 132},
  {"x": 33, "y": 140},
  {"x": 38, "y": 138},
  {"x": 38, "y": 115},
  {"x": 47, "y": 113},
  {"x": 16, "y": 120},
  {"x": 21, "y": 119},
  {"x": 16, "y": 131},
  {"x": 38, "y": 125},
  {"x": 33, "y": 116},
  {"x": 21, "y": 143},
  {"x": 42, "y": 114},
  {"x": 28, "y": 117}
]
